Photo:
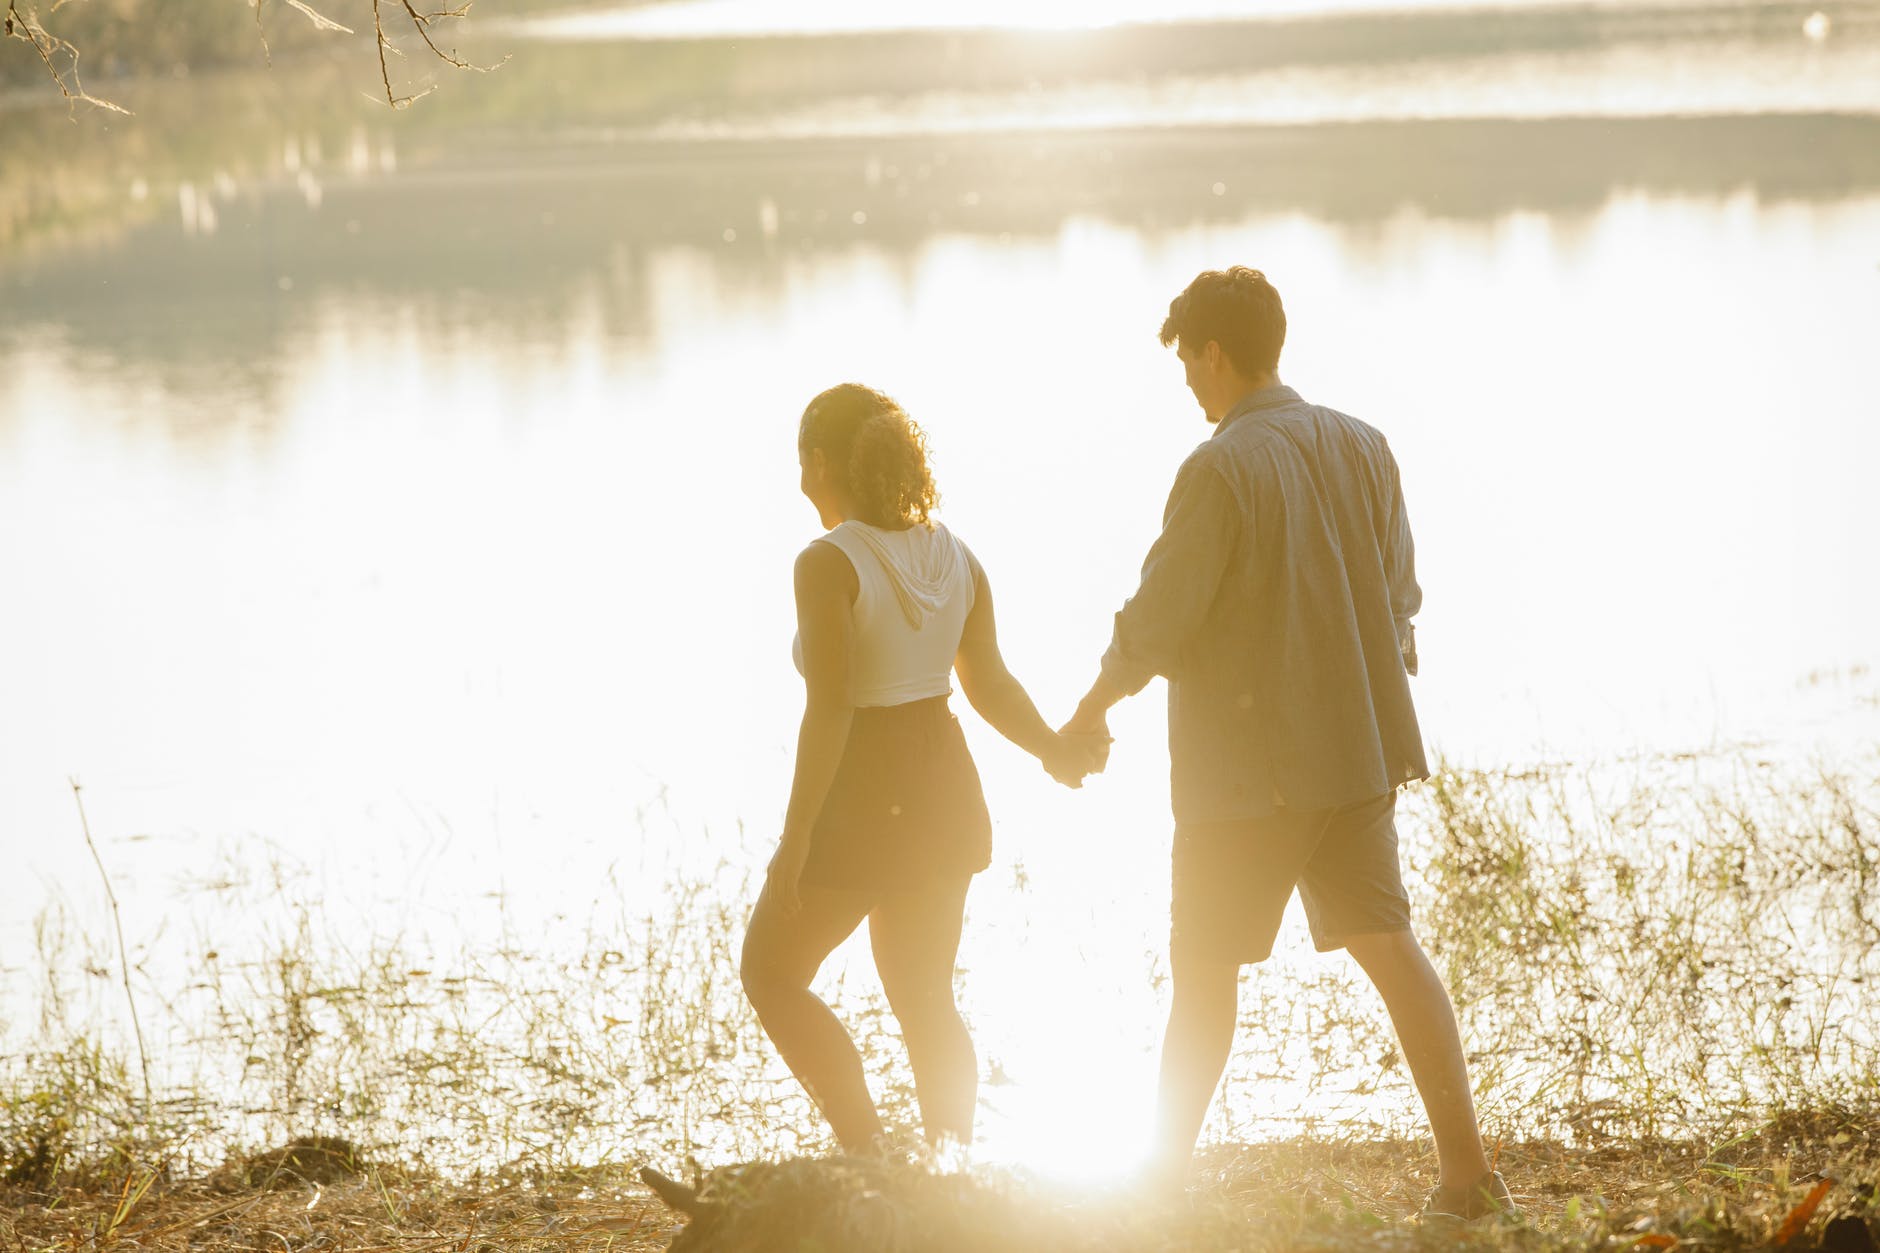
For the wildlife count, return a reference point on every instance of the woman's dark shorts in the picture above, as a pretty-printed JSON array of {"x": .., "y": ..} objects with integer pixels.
[
  {"x": 906, "y": 809},
  {"x": 1233, "y": 879}
]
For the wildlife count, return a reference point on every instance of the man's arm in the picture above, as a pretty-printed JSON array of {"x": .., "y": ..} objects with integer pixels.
[
  {"x": 1180, "y": 578},
  {"x": 1400, "y": 563}
]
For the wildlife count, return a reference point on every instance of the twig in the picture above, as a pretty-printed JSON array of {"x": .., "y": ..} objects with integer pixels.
[
  {"x": 385, "y": 73},
  {"x": 320, "y": 20},
  {"x": 21, "y": 26},
  {"x": 421, "y": 22},
  {"x": 261, "y": 33},
  {"x": 124, "y": 957},
  {"x": 49, "y": 46},
  {"x": 1793, "y": 1225}
]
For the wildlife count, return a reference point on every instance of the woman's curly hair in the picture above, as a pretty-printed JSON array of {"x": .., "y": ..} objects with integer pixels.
[{"x": 880, "y": 452}]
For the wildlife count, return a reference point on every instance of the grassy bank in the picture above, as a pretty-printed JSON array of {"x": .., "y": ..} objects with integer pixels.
[
  {"x": 1802, "y": 1181},
  {"x": 1668, "y": 974}
]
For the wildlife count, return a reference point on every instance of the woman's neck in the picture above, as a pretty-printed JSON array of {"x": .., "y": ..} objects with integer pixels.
[
  {"x": 893, "y": 524},
  {"x": 845, "y": 508}
]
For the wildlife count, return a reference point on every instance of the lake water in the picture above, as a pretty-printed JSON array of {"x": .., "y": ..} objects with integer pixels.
[{"x": 420, "y": 515}]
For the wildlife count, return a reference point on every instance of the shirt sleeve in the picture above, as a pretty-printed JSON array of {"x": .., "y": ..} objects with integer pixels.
[
  {"x": 1180, "y": 578},
  {"x": 1400, "y": 564}
]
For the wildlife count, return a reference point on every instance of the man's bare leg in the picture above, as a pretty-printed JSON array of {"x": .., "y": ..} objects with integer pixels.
[
  {"x": 1425, "y": 1021},
  {"x": 1195, "y": 1049}
]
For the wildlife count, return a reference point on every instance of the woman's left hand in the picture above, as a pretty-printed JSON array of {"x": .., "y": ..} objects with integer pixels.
[{"x": 784, "y": 877}]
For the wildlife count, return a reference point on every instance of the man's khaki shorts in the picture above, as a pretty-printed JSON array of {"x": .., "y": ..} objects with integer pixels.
[{"x": 1233, "y": 879}]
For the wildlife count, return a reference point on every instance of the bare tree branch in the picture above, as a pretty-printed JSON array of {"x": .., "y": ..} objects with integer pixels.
[
  {"x": 27, "y": 26},
  {"x": 60, "y": 56},
  {"x": 385, "y": 73},
  {"x": 421, "y": 22},
  {"x": 320, "y": 20}
]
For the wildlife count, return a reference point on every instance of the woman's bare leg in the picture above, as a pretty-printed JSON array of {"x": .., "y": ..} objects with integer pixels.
[
  {"x": 916, "y": 937},
  {"x": 782, "y": 953}
]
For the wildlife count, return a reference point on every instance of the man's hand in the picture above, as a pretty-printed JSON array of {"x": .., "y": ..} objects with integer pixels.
[
  {"x": 1090, "y": 728},
  {"x": 1070, "y": 757},
  {"x": 786, "y": 873}
]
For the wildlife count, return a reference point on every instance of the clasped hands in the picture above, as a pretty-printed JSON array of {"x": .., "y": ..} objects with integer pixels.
[{"x": 1081, "y": 748}]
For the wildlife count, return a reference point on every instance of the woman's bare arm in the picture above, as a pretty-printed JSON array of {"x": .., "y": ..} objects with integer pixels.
[
  {"x": 825, "y": 591},
  {"x": 998, "y": 697}
]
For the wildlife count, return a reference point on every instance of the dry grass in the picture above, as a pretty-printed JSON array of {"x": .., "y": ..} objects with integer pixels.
[
  {"x": 1655, "y": 976},
  {"x": 1293, "y": 1195},
  {"x": 320, "y": 1193}
]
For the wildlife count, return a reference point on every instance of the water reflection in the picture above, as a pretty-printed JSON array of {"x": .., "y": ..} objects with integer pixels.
[
  {"x": 422, "y": 407},
  {"x": 473, "y": 243},
  {"x": 401, "y": 454}
]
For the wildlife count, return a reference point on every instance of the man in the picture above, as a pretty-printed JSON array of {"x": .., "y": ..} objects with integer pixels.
[{"x": 1277, "y": 602}]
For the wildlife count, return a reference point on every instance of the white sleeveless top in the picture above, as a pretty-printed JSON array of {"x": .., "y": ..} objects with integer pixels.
[{"x": 915, "y": 588}]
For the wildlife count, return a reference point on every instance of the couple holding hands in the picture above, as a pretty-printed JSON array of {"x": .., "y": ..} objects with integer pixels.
[{"x": 1276, "y": 601}]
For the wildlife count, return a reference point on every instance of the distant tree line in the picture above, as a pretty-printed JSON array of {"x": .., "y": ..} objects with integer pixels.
[
  {"x": 79, "y": 47},
  {"x": 85, "y": 44}
]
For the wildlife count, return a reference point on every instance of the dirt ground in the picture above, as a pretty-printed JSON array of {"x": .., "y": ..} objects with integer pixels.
[{"x": 1803, "y": 1182}]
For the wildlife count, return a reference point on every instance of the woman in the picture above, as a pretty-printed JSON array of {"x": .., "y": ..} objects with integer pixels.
[{"x": 886, "y": 819}]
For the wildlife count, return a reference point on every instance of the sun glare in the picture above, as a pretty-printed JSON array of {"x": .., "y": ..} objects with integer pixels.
[
  {"x": 1077, "y": 1128},
  {"x": 691, "y": 19}
]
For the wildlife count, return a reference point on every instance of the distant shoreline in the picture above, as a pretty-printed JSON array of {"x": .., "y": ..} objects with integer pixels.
[
  {"x": 1350, "y": 25},
  {"x": 1019, "y": 181}
]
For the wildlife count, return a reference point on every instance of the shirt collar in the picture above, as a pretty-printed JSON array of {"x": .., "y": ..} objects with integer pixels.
[{"x": 1266, "y": 398}]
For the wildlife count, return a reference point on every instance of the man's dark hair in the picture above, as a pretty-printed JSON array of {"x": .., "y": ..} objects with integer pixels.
[{"x": 1237, "y": 309}]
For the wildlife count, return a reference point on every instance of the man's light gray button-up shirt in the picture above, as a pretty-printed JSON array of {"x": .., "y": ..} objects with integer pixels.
[{"x": 1277, "y": 602}]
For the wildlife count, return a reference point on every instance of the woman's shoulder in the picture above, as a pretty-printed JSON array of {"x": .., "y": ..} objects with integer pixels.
[
  {"x": 844, "y": 538},
  {"x": 824, "y": 559}
]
